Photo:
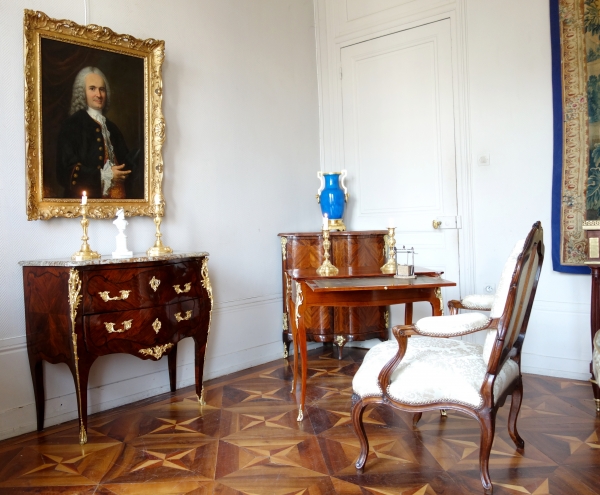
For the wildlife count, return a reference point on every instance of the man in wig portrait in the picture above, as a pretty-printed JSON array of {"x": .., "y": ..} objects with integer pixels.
[{"x": 92, "y": 155}]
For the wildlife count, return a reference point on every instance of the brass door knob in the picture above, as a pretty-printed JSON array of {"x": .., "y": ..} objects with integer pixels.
[{"x": 436, "y": 224}]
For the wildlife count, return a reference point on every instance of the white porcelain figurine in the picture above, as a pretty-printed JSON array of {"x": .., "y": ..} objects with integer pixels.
[{"x": 121, "y": 224}]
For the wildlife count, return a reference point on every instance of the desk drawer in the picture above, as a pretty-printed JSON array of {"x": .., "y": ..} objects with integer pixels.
[
  {"x": 125, "y": 289},
  {"x": 127, "y": 331}
]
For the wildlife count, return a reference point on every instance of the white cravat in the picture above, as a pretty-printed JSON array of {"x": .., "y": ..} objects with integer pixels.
[{"x": 106, "y": 174}]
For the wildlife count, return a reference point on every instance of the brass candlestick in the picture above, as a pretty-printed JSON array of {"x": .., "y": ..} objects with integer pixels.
[
  {"x": 326, "y": 269},
  {"x": 85, "y": 252},
  {"x": 159, "y": 248},
  {"x": 390, "y": 266}
]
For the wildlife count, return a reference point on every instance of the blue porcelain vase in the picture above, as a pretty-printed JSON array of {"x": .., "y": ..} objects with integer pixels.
[{"x": 332, "y": 196}]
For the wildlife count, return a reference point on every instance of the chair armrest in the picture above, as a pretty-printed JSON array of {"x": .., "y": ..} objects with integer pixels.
[
  {"x": 401, "y": 332},
  {"x": 481, "y": 302},
  {"x": 452, "y": 325}
]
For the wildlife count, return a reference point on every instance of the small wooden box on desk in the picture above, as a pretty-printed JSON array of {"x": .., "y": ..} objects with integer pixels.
[
  {"x": 364, "y": 249},
  {"x": 76, "y": 311}
]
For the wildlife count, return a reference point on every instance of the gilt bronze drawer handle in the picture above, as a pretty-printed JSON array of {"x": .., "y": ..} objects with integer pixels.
[
  {"x": 156, "y": 325},
  {"x": 157, "y": 351},
  {"x": 154, "y": 283},
  {"x": 186, "y": 288},
  {"x": 110, "y": 327},
  {"x": 188, "y": 315},
  {"x": 106, "y": 297}
]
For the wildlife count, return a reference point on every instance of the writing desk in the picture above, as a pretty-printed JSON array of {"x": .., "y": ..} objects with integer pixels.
[{"x": 354, "y": 287}]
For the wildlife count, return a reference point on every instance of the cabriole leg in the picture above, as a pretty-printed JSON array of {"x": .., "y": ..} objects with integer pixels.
[
  {"x": 487, "y": 422},
  {"x": 515, "y": 407},
  {"x": 358, "y": 407}
]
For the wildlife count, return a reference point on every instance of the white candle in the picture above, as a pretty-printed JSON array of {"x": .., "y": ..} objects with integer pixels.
[
  {"x": 84, "y": 199},
  {"x": 325, "y": 222},
  {"x": 391, "y": 223}
]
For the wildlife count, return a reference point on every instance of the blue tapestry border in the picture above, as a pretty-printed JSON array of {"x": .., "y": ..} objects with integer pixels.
[{"x": 557, "y": 170}]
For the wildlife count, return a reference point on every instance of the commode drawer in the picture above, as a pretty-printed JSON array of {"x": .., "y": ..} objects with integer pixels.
[
  {"x": 124, "y": 289},
  {"x": 185, "y": 315},
  {"x": 127, "y": 331}
]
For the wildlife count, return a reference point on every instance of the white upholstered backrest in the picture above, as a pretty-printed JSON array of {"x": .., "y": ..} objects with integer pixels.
[
  {"x": 524, "y": 292},
  {"x": 501, "y": 295}
]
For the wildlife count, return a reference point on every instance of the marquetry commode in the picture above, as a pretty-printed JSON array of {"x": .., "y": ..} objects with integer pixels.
[{"x": 76, "y": 311}]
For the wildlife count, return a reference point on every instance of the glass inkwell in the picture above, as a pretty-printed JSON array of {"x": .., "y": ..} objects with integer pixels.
[{"x": 405, "y": 270}]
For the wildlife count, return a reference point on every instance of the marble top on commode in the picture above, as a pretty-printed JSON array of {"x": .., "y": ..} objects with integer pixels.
[{"x": 107, "y": 259}]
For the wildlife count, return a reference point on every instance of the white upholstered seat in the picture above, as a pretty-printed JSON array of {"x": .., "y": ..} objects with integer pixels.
[{"x": 432, "y": 370}]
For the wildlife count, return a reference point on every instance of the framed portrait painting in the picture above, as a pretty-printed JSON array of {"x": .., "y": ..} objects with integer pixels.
[{"x": 93, "y": 119}]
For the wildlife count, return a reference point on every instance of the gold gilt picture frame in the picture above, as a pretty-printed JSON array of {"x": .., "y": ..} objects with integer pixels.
[{"x": 93, "y": 119}]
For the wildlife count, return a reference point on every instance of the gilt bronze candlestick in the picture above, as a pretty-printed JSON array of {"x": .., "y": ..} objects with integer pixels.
[
  {"x": 390, "y": 266},
  {"x": 159, "y": 248},
  {"x": 85, "y": 252},
  {"x": 326, "y": 269}
]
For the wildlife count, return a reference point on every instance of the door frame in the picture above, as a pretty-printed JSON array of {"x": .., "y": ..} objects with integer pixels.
[{"x": 332, "y": 33}]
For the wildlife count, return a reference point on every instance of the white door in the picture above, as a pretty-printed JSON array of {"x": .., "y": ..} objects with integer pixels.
[{"x": 398, "y": 125}]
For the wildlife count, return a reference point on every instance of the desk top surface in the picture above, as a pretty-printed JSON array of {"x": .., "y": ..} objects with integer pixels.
[
  {"x": 376, "y": 283},
  {"x": 354, "y": 272}
]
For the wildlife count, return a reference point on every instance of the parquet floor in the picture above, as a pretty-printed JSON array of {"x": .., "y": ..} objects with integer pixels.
[{"x": 246, "y": 441}]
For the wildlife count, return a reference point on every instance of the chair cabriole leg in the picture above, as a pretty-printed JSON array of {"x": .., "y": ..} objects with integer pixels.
[
  {"x": 358, "y": 407},
  {"x": 416, "y": 418},
  {"x": 515, "y": 407},
  {"x": 487, "y": 423}
]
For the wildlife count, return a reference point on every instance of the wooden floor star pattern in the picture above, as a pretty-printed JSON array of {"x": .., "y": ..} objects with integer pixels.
[{"x": 246, "y": 441}]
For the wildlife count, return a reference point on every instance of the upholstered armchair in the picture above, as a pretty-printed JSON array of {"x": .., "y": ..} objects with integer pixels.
[{"x": 426, "y": 372}]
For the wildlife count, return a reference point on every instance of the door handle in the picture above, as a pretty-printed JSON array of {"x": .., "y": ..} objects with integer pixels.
[{"x": 436, "y": 224}]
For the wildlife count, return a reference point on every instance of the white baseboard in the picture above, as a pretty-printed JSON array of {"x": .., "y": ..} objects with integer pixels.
[{"x": 574, "y": 369}]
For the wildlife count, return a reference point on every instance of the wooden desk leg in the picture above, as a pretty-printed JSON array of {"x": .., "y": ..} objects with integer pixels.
[
  {"x": 301, "y": 345},
  {"x": 294, "y": 329},
  {"x": 408, "y": 313},
  {"x": 172, "y": 357},
  {"x": 595, "y": 326}
]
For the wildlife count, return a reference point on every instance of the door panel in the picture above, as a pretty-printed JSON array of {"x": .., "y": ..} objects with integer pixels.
[{"x": 398, "y": 124}]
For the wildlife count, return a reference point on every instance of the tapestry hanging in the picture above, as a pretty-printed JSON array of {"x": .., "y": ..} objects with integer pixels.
[{"x": 575, "y": 36}]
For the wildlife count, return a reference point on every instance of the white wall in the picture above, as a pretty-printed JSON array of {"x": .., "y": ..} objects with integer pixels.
[
  {"x": 504, "y": 109},
  {"x": 242, "y": 151},
  {"x": 511, "y": 118}
]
